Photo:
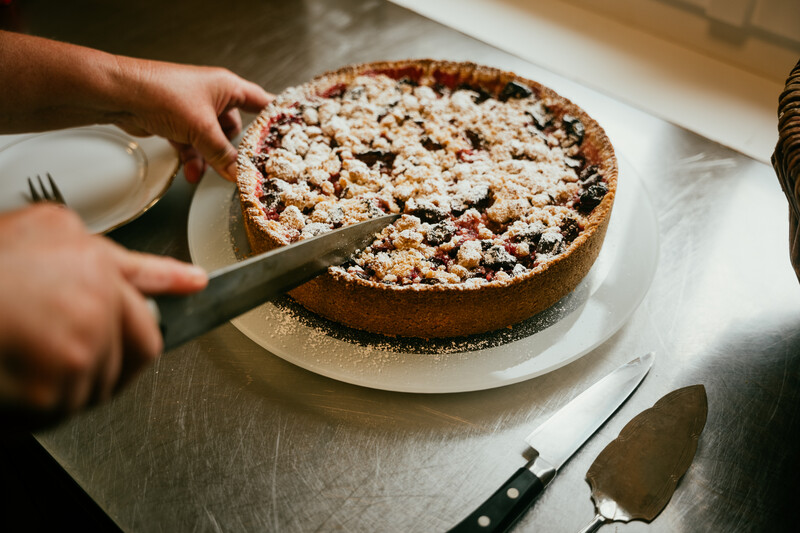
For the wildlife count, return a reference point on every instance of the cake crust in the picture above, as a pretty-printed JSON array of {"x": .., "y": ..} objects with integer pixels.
[{"x": 357, "y": 297}]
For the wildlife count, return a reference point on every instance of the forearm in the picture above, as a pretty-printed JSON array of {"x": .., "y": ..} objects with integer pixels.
[
  {"x": 49, "y": 85},
  {"x": 46, "y": 85}
]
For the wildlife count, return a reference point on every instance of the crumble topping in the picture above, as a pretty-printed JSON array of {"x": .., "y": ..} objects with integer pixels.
[{"x": 491, "y": 184}]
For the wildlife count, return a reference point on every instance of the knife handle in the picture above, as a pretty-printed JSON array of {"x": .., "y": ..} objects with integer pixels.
[{"x": 505, "y": 506}]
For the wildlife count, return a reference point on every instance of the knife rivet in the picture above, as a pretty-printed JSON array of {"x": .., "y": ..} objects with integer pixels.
[
  {"x": 512, "y": 493},
  {"x": 484, "y": 521}
]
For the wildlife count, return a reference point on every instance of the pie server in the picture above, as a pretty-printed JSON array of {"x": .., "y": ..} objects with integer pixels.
[
  {"x": 554, "y": 442},
  {"x": 635, "y": 476},
  {"x": 237, "y": 288}
]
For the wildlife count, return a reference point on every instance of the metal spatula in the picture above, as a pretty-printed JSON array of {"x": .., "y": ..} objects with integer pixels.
[{"x": 635, "y": 476}]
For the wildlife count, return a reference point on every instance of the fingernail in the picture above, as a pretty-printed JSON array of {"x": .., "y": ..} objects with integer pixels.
[
  {"x": 193, "y": 170},
  {"x": 197, "y": 273}
]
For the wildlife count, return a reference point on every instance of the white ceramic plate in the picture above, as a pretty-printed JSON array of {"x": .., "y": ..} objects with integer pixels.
[
  {"x": 597, "y": 308},
  {"x": 107, "y": 176}
]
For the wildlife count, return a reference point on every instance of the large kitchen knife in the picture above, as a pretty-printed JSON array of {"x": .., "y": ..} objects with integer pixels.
[
  {"x": 635, "y": 476},
  {"x": 554, "y": 442},
  {"x": 237, "y": 288}
]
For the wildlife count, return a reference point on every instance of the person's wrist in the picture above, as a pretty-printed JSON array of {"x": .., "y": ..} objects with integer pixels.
[{"x": 123, "y": 88}]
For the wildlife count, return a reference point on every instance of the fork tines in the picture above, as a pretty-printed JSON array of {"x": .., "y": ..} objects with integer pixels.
[{"x": 43, "y": 194}]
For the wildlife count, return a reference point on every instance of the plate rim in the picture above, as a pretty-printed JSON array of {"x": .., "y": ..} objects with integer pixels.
[
  {"x": 146, "y": 143},
  {"x": 347, "y": 375}
]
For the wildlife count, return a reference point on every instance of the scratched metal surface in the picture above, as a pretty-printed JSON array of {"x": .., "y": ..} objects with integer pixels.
[{"x": 220, "y": 435}]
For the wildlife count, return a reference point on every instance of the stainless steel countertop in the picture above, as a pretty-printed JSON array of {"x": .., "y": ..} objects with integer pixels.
[{"x": 220, "y": 435}]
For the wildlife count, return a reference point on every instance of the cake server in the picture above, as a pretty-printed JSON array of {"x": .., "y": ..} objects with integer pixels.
[
  {"x": 553, "y": 443},
  {"x": 635, "y": 476},
  {"x": 237, "y": 288}
]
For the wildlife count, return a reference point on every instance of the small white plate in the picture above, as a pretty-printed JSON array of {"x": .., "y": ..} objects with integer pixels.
[
  {"x": 107, "y": 176},
  {"x": 588, "y": 316}
]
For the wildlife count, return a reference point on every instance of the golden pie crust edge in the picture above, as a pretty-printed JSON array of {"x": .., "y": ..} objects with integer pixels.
[{"x": 442, "y": 310}]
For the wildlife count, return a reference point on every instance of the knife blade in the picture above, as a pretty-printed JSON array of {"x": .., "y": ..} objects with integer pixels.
[
  {"x": 554, "y": 442},
  {"x": 237, "y": 288},
  {"x": 635, "y": 476}
]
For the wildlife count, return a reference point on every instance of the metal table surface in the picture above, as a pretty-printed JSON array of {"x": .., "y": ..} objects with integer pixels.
[{"x": 219, "y": 435}]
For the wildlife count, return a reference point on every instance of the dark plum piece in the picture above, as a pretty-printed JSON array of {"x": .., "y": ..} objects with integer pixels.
[
  {"x": 570, "y": 229},
  {"x": 444, "y": 258},
  {"x": 403, "y": 120},
  {"x": 475, "y": 140},
  {"x": 271, "y": 193},
  {"x": 430, "y": 145},
  {"x": 429, "y": 213},
  {"x": 273, "y": 185},
  {"x": 273, "y": 137},
  {"x": 437, "y": 260},
  {"x": 441, "y": 232},
  {"x": 591, "y": 197},
  {"x": 497, "y": 257},
  {"x": 386, "y": 159},
  {"x": 259, "y": 160},
  {"x": 575, "y": 130},
  {"x": 540, "y": 114},
  {"x": 407, "y": 81},
  {"x": 270, "y": 200},
  {"x": 482, "y": 94},
  {"x": 549, "y": 243},
  {"x": 588, "y": 172},
  {"x": 486, "y": 244},
  {"x": 514, "y": 89},
  {"x": 590, "y": 176}
]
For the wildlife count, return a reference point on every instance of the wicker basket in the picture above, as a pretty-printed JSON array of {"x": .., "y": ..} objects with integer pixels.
[{"x": 786, "y": 158}]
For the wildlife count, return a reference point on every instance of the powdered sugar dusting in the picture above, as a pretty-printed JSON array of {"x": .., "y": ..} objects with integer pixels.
[
  {"x": 376, "y": 351},
  {"x": 480, "y": 176}
]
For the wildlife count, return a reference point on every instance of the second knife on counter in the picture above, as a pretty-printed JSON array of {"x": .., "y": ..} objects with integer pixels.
[{"x": 555, "y": 442}]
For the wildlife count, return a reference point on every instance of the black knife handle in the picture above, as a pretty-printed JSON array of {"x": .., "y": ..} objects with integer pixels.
[{"x": 505, "y": 506}]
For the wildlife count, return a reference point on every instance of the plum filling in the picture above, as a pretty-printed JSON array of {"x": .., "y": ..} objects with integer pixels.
[
  {"x": 427, "y": 147},
  {"x": 377, "y": 157}
]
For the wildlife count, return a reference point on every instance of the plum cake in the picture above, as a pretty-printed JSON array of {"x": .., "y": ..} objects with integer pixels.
[{"x": 505, "y": 190}]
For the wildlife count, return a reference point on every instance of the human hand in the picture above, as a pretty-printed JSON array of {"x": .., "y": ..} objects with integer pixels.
[
  {"x": 196, "y": 108},
  {"x": 74, "y": 324},
  {"x": 59, "y": 85}
]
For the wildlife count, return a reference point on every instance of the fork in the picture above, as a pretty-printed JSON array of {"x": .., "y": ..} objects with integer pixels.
[{"x": 43, "y": 194}]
